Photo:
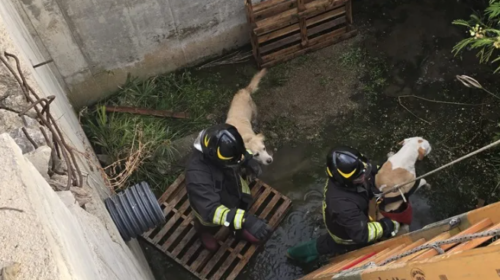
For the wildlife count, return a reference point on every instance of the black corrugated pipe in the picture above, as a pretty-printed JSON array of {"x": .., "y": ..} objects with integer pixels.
[{"x": 134, "y": 211}]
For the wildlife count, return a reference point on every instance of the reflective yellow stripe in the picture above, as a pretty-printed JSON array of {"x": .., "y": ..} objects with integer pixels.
[
  {"x": 224, "y": 216},
  {"x": 244, "y": 186},
  {"x": 371, "y": 232},
  {"x": 218, "y": 214},
  {"x": 238, "y": 219},
  {"x": 198, "y": 216},
  {"x": 380, "y": 230},
  {"x": 375, "y": 231}
]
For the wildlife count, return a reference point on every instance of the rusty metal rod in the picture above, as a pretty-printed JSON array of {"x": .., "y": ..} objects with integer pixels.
[{"x": 49, "y": 122}]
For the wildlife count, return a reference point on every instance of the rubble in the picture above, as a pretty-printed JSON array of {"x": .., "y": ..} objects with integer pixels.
[
  {"x": 36, "y": 135},
  {"x": 41, "y": 159}
]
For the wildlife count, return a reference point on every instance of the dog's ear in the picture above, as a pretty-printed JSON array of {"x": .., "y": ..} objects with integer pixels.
[
  {"x": 261, "y": 137},
  {"x": 421, "y": 153}
]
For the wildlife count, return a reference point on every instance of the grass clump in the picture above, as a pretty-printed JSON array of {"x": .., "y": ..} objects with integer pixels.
[
  {"x": 373, "y": 69},
  {"x": 139, "y": 147}
]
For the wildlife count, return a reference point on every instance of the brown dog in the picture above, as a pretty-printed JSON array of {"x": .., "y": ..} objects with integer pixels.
[{"x": 242, "y": 113}]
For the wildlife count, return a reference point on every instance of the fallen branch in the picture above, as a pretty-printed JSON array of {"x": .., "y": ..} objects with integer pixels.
[
  {"x": 401, "y": 104},
  {"x": 441, "y": 102},
  {"x": 147, "y": 112}
]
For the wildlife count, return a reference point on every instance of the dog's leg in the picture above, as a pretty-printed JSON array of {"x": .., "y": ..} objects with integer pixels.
[
  {"x": 404, "y": 229},
  {"x": 423, "y": 183},
  {"x": 254, "y": 113}
]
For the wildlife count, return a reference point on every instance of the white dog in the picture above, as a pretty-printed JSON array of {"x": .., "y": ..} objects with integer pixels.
[
  {"x": 243, "y": 113},
  {"x": 398, "y": 169}
]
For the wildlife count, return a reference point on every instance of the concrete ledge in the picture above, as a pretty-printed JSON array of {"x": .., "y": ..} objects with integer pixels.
[{"x": 51, "y": 236}]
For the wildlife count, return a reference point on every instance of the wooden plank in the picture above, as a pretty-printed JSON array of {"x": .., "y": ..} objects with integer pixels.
[
  {"x": 290, "y": 54},
  {"x": 261, "y": 199},
  {"x": 270, "y": 206},
  {"x": 230, "y": 259},
  {"x": 276, "y": 9},
  {"x": 409, "y": 247},
  {"x": 290, "y": 17},
  {"x": 442, "y": 236},
  {"x": 472, "y": 229},
  {"x": 172, "y": 188},
  {"x": 256, "y": 188},
  {"x": 372, "y": 258},
  {"x": 147, "y": 112},
  {"x": 170, "y": 223},
  {"x": 302, "y": 23},
  {"x": 202, "y": 259},
  {"x": 185, "y": 240},
  {"x": 177, "y": 232},
  {"x": 392, "y": 252},
  {"x": 253, "y": 38},
  {"x": 280, "y": 213},
  {"x": 190, "y": 252},
  {"x": 313, "y": 31},
  {"x": 348, "y": 9},
  {"x": 257, "y": 7},
  {"x": 295, "y": 27},
  {"x": 473, "y": 243},
  {"x": 213, "y": 261}
]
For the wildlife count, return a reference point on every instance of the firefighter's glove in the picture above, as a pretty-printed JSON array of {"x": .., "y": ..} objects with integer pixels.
[
  {"x": 389, "y": 226},
  {"x": 257, "y": 227}
]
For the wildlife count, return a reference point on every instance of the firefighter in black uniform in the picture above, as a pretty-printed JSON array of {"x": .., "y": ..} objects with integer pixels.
[
  {"x": 349, "y": 188},
  {"x": 218, "y": 194}
]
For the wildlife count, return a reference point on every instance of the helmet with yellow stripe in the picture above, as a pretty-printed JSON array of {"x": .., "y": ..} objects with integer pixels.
[
  {"x": 346, "y": 166},
  {"x": 223, "y": 144}
]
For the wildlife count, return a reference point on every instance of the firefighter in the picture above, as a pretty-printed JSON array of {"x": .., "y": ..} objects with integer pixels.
[
  {"x": 348, "y": 191},
  {"x": 218, "y": 194}
]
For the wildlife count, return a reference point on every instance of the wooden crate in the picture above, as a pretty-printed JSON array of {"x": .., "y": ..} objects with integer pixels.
[
  {"x": 177, "y": 237},
  {"x": 284, "y": 29}
]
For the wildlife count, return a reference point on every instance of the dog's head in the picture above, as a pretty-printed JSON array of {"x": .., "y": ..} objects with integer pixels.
[
  {"x": 256, "y": 145},
  {"x": 421, "y": 145}
]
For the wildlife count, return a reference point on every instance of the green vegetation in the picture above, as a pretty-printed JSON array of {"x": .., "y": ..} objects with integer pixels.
[
  {"x": 140, "y": 147},
  {"x": 374, "y": 70},
  {"x": 484, "y": 30}
]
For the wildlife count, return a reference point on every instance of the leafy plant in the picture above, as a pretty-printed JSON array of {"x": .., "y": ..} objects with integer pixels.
[
  {"x": 484, "y": 31},
  {"x": 141, "y": 147}
]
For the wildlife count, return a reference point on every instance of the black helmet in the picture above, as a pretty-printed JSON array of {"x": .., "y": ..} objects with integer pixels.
[
  {"x": 346, "y": 166},
  {"x": 222, "y": 143}
]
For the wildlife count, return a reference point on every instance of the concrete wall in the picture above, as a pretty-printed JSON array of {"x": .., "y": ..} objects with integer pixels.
[
  {"x": 50, "y": 236},
  {"x": 70, "y": 234},
  {"x": 95, "y": 43}
]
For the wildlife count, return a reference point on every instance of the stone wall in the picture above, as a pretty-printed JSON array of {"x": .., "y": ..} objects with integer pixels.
[{"x": 95, "y": 44}]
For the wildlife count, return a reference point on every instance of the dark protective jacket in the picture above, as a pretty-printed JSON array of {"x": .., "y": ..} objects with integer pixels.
[
  {"x": 217, "y": 195},
  {"x": 345, "y": 213}
]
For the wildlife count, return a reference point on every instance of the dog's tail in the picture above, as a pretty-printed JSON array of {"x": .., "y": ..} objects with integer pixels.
[{"x": 254, "y": 84}]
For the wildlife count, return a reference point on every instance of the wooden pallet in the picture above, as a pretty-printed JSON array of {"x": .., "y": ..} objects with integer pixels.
[
  {"x": 177, "y": 238},
  {"x": 284, "y": 29}
]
